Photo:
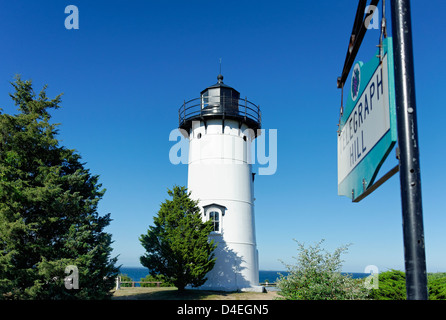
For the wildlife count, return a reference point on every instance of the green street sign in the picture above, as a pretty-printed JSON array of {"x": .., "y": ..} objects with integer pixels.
[{"x": 367, "y": 130}]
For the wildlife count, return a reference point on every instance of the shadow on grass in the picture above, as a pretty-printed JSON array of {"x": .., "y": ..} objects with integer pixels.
[{"x": 166, "y": 293}]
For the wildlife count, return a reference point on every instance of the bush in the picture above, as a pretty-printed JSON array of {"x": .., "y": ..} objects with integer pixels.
[
  {"x": 317, "y": 276},
  {"x": 437, "y": 286},
  {"x": 165, "y": 282},
  {"x": 125, "y": 277},
  {"x": 392, "y": 286}
]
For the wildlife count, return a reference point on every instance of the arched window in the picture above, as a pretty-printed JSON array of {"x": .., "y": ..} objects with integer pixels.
[{"x": 215, "y": 213}]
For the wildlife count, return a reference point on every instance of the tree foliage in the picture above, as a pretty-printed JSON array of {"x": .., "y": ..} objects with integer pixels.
[
  {"x": 48, "y": 208},
  {"x": 125, "y": 277},
  {"x": 177, "y": 245},
  {"x": 437, "y": 286},
  {"x": 392, "y": 286},
  {"x": 157, "y": 278},
  {"x": 317, "y": 276}
]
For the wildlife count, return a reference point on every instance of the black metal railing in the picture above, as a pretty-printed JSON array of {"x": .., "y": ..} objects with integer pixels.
[{"x": 227, "y": 107}]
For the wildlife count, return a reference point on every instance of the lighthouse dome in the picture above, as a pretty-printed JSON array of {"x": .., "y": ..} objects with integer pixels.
[{"x": 220, "y": 98}]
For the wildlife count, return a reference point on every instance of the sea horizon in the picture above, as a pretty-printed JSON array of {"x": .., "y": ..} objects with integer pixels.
[{"x": 137, "y": 273}]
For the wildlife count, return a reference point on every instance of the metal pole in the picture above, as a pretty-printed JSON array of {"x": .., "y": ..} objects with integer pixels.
[{"x": 412, "y": 211}]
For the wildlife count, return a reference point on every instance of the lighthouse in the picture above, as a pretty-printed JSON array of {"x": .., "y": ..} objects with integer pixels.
[{"x": 221, "y": 126}]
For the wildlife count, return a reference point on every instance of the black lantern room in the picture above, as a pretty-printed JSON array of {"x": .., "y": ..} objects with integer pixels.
[{"x": 219, "y": 101}]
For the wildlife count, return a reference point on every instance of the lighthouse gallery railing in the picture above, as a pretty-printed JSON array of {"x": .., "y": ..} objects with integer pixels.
[{"x": 227, "y": 107}]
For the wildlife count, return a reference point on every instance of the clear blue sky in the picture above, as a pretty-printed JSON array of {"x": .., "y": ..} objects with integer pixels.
[{"x": 129, "y": 66}]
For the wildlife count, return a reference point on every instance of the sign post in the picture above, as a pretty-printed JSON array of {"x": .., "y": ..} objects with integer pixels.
[
  {"x": 410, "y": 181},
  {"x": 361, "y": 152}
]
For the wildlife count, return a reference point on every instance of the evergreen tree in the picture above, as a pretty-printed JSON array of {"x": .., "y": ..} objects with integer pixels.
[
  {"x": 177, "y": 245},
  {"x": 48, "y": 209}
]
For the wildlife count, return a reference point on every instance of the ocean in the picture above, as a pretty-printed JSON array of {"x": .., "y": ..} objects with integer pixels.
[{"x": 136, "y": 273}]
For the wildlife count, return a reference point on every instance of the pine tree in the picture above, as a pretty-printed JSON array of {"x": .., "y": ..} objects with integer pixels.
[
  {"x": 48, "y": 209},
  {"x": 177, "y": 245}
]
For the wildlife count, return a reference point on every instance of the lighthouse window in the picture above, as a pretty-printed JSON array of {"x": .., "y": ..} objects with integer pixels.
[{"x": 215, "y": 218}]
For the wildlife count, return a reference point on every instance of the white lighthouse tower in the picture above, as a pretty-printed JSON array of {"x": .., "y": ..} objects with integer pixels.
[{"x": 221, "y": 128}]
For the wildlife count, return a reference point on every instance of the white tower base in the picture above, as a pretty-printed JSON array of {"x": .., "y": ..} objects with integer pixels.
[{"x": 220, "y": 177}]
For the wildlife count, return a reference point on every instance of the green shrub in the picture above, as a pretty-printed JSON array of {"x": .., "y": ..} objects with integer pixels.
[
  {"x": 436, "y": 275},
  {"x": 317, "y": 276},
  {"x": 125, "y": 277},
  {"x": 161, "y": 278},
  {"x": 392, "y": 286},
  {"x": 437, "y": 286}
]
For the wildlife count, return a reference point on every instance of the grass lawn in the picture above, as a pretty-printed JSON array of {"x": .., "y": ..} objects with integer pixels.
[{"x": 171, "y": 293}]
